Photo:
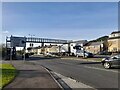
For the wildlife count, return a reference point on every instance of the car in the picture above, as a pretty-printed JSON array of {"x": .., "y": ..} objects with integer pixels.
[
  {"x": 109, "y": 62},
  {"x": 50, "y": 54},
  {"x": 84, "y": 54}
]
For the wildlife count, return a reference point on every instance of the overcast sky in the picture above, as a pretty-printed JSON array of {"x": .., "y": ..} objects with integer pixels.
[{"x": 73, "y": 21}]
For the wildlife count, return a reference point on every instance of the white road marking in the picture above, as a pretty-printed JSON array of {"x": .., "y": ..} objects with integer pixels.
[
  {"x": 73, "y": 83},
  {"x": 101, "y": 69}
]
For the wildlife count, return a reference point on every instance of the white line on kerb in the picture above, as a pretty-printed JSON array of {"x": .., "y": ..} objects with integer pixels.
[
  {"x": 73, "y": 83},
  {"x": 101, "y": 69}
]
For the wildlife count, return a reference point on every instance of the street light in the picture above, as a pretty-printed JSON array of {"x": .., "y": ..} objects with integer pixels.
[{"x": 4, "y": 36}]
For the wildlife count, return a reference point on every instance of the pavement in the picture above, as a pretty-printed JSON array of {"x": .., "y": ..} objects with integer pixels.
[
  {"x": 75, "y": 73},
  {"x": 32, "y": 76}
]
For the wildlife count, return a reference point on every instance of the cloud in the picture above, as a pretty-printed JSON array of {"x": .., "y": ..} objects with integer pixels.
[{"x": 5, "y": 32}]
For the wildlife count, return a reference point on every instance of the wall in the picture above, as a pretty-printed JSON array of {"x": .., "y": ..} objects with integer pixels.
[{"x": 114, "y": 45}]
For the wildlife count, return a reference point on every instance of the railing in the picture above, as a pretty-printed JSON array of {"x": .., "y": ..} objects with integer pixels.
[{"x": 43, "y": 40}]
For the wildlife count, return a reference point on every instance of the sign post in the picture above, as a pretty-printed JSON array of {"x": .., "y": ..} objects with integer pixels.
[
  {"x": 24, "y": 54},
  {"x": 18, "y": 42},
  {"x": 11, "y": 54},
  {"x": 6, "y": 48}
]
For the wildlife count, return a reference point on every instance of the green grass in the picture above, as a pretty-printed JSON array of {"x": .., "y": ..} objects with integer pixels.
[
  {"x": 89, "y": 59},
  {"x": 7, "y": 74},
  {"x": 96, "y": 59}
]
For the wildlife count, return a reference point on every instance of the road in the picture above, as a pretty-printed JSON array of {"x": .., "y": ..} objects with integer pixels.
[{"x": 89, "y": 73}]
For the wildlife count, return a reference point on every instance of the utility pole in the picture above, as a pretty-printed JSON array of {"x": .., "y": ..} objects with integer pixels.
[
  {"x": 6, "y": 48},
  {"x": 11, "y": 54},
  {"x": 24, "y": 53},
  {"x": 25, "y": 50}
]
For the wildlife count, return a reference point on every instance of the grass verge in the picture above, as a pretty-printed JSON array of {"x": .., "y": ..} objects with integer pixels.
[
  {"x": 88, "y": 59},
  {"x": 7, "y": 74},
  {"x": 95, "y": 59}
]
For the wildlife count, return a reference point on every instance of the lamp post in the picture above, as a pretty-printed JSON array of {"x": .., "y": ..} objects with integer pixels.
[
  {"x": 4, "y": 35},
  {"x": 6, "y": 48}
]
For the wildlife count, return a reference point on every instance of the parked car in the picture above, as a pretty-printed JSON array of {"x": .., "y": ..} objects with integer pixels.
[
  {"x": 111, "y": 61},
  {"x": 50, "y": 54},
  {"x": 83, "y": 54}
]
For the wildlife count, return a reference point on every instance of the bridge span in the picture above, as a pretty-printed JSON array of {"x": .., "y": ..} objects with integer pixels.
[
  {"x": 42, "y": 40},
  {"x": 21, "y": 42}
]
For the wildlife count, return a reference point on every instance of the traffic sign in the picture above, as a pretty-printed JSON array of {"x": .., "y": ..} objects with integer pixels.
[{"x": 18, "y": 41}]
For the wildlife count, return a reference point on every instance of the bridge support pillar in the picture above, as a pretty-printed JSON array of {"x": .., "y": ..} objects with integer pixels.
[
  {"x": 14, "y": 53},
  {"x": 69, "y": 50},
  {"x": 42, "y": 44},
  {"x": 43, "y": 49}
]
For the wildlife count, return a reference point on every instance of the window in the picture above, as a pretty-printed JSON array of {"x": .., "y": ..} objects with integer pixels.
[
  {"x": 116, "y": 57},
  {"x": 114, "y": 49}
]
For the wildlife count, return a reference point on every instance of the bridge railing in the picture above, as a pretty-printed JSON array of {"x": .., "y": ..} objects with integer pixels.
[{"x": 43, "y": 40}]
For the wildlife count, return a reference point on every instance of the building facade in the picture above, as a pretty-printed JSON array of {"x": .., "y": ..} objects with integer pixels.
[
  {"x": 114, "y": 42},
  {"x": 45, "y": 49},
  {"x": 52, "y": 49},
  {"x": 96, "y": 47}
]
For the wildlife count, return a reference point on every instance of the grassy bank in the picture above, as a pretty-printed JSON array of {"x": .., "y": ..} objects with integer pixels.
[{"x": 7, "y": 74}]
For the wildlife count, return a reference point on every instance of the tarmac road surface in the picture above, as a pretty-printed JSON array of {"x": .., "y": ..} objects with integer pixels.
[{"x": 89, "y": 73}]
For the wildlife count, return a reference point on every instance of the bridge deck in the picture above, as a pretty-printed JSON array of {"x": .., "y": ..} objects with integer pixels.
[{"x": 43, "y": 40}]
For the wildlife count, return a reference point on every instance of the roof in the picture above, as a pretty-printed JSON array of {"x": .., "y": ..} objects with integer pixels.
[
  {"x": 115, "y": 32},
  {"x": 114, "y": 38},
  {"x": 94, "y": 43}
]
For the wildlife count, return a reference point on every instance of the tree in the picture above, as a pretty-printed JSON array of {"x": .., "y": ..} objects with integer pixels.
[
  {"x": 2, "y": 50},
  {"x": 104, "y": 38}
]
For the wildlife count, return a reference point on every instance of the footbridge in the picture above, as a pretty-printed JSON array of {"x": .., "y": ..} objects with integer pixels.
[
  {"x": 39, "y": 40},
  {"x": 21, "y": 42},
  {"x": 45, "y": 40}
]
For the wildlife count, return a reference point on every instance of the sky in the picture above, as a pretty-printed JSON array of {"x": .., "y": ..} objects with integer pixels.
[
  {"x": 60, "y": 20},
  {"x": 60, "y": 0}
]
